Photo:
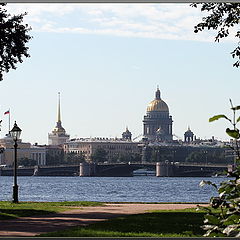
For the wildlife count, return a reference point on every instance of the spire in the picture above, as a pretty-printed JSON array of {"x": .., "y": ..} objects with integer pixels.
[
  {"x": 158, "y": 93},
  {"x": 59, "y": 114}
]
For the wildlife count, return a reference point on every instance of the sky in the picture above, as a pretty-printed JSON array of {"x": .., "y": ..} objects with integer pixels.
[{"x": 106, "y": 60}]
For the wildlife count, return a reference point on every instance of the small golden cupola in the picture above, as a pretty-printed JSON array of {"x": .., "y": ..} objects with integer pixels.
[{"x": 157, "y": 105}]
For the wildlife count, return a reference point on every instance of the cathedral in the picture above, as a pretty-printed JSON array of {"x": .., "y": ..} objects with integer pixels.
[
  {"x": 58, "y": 135},
  {"x": 157, "y": 123}
]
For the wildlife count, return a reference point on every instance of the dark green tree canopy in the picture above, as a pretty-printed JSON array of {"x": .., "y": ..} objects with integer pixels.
[
  {"x": 26, "y": 162},
  {"x": 74, "y": 158},
  {"x": 13, "y": 39},
  {"x": 100, "y": 155},
  {"x": 222, "y": 17}
]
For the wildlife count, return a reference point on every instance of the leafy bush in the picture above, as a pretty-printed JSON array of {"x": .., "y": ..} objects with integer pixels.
[{"x": 226, "y": 220}]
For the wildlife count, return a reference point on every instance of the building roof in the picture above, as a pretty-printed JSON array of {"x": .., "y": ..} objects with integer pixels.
[{"x": 100, "y": 140}]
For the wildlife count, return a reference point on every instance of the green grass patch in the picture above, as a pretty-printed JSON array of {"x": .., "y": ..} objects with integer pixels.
[
  {"x": 10, "y": 210},
  {"x": 174, "y": 223}
]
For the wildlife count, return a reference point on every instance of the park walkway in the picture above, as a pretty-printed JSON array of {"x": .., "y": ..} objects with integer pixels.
[{"x": 78, "y": 216}]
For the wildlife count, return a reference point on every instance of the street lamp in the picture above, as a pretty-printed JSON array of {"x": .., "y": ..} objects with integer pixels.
[
  {"x": 15, "y": 134},
  {"x": 174, "y": 154},
  {"x": 206, "y": 152}
]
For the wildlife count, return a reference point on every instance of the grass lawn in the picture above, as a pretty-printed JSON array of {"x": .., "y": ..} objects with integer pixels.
[
  {"x": 10, "y": 210},
  {"x": 174, "y": 223}
]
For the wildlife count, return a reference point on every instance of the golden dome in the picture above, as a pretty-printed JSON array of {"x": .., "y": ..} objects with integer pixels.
[{"x": 157, "y": 104}]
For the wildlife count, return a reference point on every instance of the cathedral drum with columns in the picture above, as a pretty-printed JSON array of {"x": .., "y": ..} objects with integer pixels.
[{"x": 157, "y": 123}]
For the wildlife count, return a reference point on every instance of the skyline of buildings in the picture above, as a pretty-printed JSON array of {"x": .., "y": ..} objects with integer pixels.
[
  {"x": 157, "y": 131},
  {"x": 107, "y": 72},
  {"x": 157, "y": 125}
]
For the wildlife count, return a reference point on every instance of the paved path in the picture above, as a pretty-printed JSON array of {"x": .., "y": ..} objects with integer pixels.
[{"x": 32, "y": 226}]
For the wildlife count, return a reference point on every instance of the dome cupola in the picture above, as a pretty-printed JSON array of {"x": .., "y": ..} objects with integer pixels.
[
  {"x": 157, "y": 123},
  {"x": 157, "y": 104}
]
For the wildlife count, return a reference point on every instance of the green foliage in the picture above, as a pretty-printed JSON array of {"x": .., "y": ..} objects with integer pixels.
[
  {"x": 100, "y": 155},
  {"x": 13, "y": 39},
  {"x": 226, "y": 222},
  {"x": 127, "y": 157},
  {"x": 197, "y": 156},
  {"x": 156, "y": 154},
  {"x": 235, "y": 108},
  {"x": 26, "y": 162},
  {"x": 233, "y": 133},
  {"x": 214, "y": 118},
  {"x": 224, "y": 18},
  {"x": 74, "y": 158},
  {"x": 55, "y": 158}
]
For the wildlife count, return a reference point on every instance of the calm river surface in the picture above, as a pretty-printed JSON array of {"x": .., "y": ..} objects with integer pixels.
[{"x": 115, "y": 189}]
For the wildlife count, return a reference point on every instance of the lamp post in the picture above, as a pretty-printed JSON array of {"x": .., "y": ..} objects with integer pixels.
[
  {"x": 206, "y": 152},
  {"x": 174, "y": 154},
  {"x": 15, "y": 134}
]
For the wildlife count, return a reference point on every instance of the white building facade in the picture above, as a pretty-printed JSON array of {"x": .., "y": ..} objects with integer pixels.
[{"x": 113, "y": 147}]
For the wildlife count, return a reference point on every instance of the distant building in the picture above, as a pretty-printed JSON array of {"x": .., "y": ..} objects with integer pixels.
[
  {"x": 157, "y": 124},
  {"x": 113, "y": 147},
  {"x": 55, "y": 154},
  {"x": 25, "y": 150},
  {"x": 38, "y": 153},
  {"x": 127, "y": 135},
  {"x": 58, "y": 135},
  {"x": 188, "y": 136}
]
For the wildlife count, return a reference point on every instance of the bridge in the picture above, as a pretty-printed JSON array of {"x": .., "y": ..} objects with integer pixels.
[{"x": 162, "y": 169}]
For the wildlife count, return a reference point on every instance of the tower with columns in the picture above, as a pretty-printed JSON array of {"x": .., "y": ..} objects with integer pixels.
[
  {"x": 127, "y": 135},
  {"x": 188, "y": 136},
  {"x": 58, "y": 136}
]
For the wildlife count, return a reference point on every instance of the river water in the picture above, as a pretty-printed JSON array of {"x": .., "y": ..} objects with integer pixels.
[{"x": 109, "y": 189}]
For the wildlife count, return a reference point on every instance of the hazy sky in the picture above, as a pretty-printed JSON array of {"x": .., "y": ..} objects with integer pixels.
[{"x": 107, "y": 60}]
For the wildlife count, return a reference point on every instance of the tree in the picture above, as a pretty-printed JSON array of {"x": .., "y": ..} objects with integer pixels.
[
  {"x": 226, "y": 221},
  {"x": 207, "y": 156},
  {"x": 55, "y": 158},
  {"x": 13, "y": 39},
  {"x": 222, "y": 17},
  {"x": 196, "y": 156},
  {"x": 26, "y": 162},
  {"x": 100, "y": 155},
  {"x": 74, "y": 158}
]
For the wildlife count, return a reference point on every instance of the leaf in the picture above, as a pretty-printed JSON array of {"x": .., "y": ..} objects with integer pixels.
[
  {"x": 235, "y": 108},
  {"x": 238, "y": 235},
  {"x": 231, "y": 220},
  {"x": 216, "y": 117},
  {"x": 221, "y": 194},
  {"x": 203, "y": 182},
  {"x": 208, "y": 227},
  {"x": 238, "y": 119},
  {"x": 231, "y": 228},
  {"x": 233, "y": 133},
  {"x": 202, "y": 208},
  {"x": 211, "y": 219}
]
